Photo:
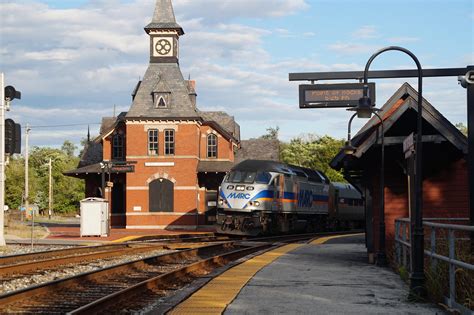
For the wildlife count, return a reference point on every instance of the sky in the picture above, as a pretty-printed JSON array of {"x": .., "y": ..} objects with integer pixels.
[{"x": 76, "y": 60}]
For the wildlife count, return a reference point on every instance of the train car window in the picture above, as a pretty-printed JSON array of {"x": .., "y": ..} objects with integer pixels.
[
  {"x": 241, "y": 177},
  {"x": 263, "y": 177},
  {"x": 249, "y": 177}
]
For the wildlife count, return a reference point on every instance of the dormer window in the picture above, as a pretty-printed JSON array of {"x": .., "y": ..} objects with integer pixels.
[{"x": 161, "y": 100}]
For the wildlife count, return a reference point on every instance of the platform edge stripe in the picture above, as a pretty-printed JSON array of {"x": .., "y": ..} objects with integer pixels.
[
  {"x": 325, "y": 239},
  {"x": 129, "y": 238},
  {"x": 206, "y": 299}
]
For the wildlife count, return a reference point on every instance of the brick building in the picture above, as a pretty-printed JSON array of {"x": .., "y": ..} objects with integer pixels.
[
  {"x": 445, "y": 179},
  {"x": 164, "y": 157}
]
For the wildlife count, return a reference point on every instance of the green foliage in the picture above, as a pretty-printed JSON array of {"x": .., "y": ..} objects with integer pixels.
[
  {"x": 68, "y": 147},
  {"x": 313, "y": 152},
  {"x": 272, "y": 133},
  {"x": 462, "y": 128},
  {"x": 67, "y": 191}
]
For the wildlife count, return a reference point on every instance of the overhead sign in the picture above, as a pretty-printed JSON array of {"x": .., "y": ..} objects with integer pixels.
[
  {"x": 122, "y": 169},
  {"x": 333, "y": 95}
]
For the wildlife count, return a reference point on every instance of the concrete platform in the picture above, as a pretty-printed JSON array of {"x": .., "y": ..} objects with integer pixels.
[
  {"x": 329, "y": 278},
  {"x": 69, "y": 234}
]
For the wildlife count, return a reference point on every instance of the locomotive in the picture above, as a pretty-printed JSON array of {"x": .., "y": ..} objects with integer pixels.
[{"x": 266, "y": 197}]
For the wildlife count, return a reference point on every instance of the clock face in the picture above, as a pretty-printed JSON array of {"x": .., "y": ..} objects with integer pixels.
[{"x": 163, "y": 47}]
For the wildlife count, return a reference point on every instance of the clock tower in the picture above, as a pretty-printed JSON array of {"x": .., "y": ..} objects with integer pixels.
[{"x": 164, "y": 34}]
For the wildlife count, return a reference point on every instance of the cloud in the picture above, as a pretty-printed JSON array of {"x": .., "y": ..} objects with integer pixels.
[
  {"x": 347, "y": 48},
  {"x": 73, "y": 65},
  {"x": 402, "y": 39},
  {"x": 365, "y": 32}
]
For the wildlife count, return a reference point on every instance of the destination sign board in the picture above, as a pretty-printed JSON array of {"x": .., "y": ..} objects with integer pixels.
[
  {"x": 122, "y": 169},
  {"x": 333, "y": 95}
]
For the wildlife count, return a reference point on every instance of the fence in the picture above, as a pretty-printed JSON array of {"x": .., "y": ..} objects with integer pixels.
[{"x": 403, "y": 250}]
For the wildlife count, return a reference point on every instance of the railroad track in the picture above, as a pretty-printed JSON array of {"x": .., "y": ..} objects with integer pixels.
[
  {"x": 137, "y": 285},
  {"x": 80, "y": 294}
]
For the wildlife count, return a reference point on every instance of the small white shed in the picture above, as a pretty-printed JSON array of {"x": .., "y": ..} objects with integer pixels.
[{"x": 94, "y": 217}]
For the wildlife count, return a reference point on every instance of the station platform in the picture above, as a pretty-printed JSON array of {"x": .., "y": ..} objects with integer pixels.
[
  {"x": 69, "y": 234},
  {"x": 329, "y": 276}
]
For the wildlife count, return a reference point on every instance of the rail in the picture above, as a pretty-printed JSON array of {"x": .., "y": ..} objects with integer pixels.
[{"x": 403, "y": 250}]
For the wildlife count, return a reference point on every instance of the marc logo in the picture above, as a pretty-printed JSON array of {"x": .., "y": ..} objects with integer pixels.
[{"x": 238, "y": 196}]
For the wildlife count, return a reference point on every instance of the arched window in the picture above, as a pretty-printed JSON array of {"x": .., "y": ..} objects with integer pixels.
[
  {"x": 212, "y": 146},
  {"x": 117, "y": 147}
]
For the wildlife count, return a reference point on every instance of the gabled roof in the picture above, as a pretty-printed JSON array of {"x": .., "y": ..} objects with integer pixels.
[
  {"x": 156, "y": 76},
  {"x": 258, "y": 149},
  {"x": 164, "y": 18},
  {"x": 404, "y": 99}
]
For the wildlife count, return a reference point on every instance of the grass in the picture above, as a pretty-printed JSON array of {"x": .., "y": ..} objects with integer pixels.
[
  {"x": 23, "y": 229},
  {"x": 437, "y": 272}
]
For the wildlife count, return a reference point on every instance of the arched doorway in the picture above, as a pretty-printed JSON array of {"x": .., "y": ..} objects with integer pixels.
[{"x": 161, "y": 195}]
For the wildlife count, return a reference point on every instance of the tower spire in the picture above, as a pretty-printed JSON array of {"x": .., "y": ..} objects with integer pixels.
[{"x": 164, "y": 18}]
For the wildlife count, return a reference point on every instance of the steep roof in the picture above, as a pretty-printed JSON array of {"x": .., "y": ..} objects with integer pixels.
[
  {"x": 404, "y": 99},
  {"x": 163, "y": 76},
  {"x": 224, "y": 120},
  {"x": 164, "y": 18},
  {"x": 258, "y": 149}
]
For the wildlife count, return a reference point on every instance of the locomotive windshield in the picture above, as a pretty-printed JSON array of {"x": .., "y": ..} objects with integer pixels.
[{"x": 242, "y": 177}]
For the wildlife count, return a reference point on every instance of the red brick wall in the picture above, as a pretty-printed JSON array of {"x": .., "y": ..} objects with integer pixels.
[
  {"x": 444, "y": 195},
  {"x": 190, "y": 146}
]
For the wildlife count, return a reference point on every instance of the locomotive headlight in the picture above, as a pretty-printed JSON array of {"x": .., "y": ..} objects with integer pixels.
[
  {"x": 230, "y": 187},
  {"x": 221, "y": 202},
  {"x": 256, "y": 203},
  {"x": 240, "y": 188},
  {"x": 250, "y": 188}
]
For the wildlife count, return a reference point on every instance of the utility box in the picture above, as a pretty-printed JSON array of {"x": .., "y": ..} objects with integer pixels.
[{"x": 94, "y": 217}]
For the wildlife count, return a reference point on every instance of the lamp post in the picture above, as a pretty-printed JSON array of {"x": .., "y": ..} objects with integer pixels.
[
  {"x": 417, "y": 275},
  {"x": 350, "y": 149}
]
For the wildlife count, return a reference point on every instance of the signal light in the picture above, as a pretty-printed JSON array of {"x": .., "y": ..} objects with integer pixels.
[
  {"x": 12, "y": 137},
  {"x": 11, "y": 93}
]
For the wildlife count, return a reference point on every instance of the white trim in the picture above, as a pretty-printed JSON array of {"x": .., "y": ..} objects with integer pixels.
[
  {"x": 154, "y": 157},
  {"x": 185, "y": 188},
  {"x": 160, "y": 127},
  {"x": 145, "y": 188},
  {"x": 159, "y": 164},
  {"x": 158, "y": 214},
  {"x": 158, "y": 122},
  {"x": 160, "y": 227},
  {"x": 133, "y": 188}
]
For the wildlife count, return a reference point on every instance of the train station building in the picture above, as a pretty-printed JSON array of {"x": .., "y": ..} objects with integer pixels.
[
  {"x": 445, "y": 176},
  {"x": 164, "y": 159}
]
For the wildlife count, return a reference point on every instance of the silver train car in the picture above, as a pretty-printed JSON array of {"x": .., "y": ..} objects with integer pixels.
[{"x": 266, "y": 197}]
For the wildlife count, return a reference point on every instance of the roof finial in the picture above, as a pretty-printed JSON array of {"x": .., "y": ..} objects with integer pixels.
[{"x": 88, "y": 134}]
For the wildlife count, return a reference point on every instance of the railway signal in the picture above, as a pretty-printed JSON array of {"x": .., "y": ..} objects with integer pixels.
[{"x": 9, "y": 144}]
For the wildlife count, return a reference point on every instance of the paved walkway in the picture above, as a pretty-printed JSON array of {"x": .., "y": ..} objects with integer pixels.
[
  {"x": 328, "y": 276},
  {"x": 332, "y": 278}
]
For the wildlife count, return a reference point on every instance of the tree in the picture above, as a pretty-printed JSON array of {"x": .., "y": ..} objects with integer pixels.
[
  {"x": 272, "y": 133},
  {"x": 314, "y": 152},
  {"x": 67, "y": 191},
  {"x": 68, "y": 147},
  {"x": 462, "y": 128}
]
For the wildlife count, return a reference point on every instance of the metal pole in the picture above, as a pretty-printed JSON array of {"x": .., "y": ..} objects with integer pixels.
[
  {"x": 417, "y": 276},
  {"x": 470, "y": 156},
  {"x": 50, "y": 199},
  {"x": 381, "y": 255},
  {"x": 2, "y": 159},
  {"x": 27, "y": 192}
]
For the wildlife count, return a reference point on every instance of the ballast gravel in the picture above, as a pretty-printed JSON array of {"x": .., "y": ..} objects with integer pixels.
[
  {"x": 69, "y": 270},
  {"x": 27, "y": 249}
]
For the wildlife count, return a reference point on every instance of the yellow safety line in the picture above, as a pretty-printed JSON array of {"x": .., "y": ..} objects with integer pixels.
[
  {"x": 129, "y": 238},
  {"x": 214, "y": 297},
  {"x": 323, "y": 240},
  {"x": 219, "y": 292}
]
